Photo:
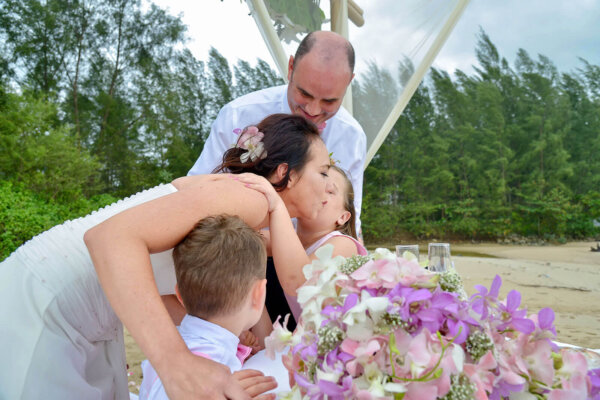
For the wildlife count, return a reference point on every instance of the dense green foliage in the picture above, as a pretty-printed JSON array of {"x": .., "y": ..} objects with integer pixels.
[
  {"x": 26, "y": 213},
  {"x": 96, "y": 98},
  {"x": 507, "y": 150},
  {"x": 99, "y": 100}
]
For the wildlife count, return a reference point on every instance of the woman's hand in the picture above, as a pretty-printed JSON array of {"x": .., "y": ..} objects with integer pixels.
[
  {"x": 255, "y": 384},
  {"x": 263, "y": 186},
  {"x": 192, "y": 377}
]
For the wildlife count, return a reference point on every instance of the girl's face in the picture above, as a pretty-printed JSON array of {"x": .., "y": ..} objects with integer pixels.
[
  {"x": 333, "y": 213},
  {"x": 307, "y": 191}
]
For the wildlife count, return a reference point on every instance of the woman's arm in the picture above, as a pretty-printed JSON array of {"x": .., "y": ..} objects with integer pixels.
[{"x": 120, "y": 249}]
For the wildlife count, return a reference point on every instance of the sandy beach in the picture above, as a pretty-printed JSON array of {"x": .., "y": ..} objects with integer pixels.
[{"x": 563, "y": 277}]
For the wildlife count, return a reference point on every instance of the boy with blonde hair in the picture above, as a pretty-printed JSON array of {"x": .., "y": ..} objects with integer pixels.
[{"x": 220, "y": 270}]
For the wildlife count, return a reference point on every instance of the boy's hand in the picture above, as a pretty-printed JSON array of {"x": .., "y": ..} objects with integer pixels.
[
  {"x": 256, "y": 384},
  {"x": 247, "y": 338}
]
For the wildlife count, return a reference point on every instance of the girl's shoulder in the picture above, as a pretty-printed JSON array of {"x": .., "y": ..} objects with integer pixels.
[{"x": 344, "y": 245}]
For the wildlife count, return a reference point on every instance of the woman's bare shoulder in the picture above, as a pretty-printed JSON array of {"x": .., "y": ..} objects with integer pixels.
[
  {"x": 186, "y": 182},
  {"x": 219, "y": 193}
]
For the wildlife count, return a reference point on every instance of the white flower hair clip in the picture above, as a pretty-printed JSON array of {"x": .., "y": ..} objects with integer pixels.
[{"x": 251, "y": 140}]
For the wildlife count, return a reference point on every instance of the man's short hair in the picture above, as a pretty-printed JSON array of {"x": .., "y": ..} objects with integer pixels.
[
  {"x": 309, "y": 41},
  {"x": 216, "y": 265}
]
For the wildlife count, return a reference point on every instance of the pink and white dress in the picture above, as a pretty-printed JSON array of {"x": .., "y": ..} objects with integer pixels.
[{"x": 292, "y": 302}]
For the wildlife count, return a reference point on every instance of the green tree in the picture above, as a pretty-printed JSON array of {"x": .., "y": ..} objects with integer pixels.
[
  {"x": 249, "y": 79},
  {"x": 41, "y": 153},
  {"x": 220, "y": 86}
]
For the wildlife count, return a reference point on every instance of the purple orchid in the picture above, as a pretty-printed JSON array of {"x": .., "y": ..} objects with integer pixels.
[
  {"x": 545, "y": 319},
  {"x": 503, "y": 390},
  {"x": 594, "y": 376},
  {"x": 335, "y": 391},
  {"x": 335, "y": 313},
  {"x": 482, "y": 300},
  {"x": 513, "y": 317}
]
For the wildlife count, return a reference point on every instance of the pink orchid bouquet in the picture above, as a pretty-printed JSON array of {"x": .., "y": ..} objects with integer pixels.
[{"x": 383, "y": 327}]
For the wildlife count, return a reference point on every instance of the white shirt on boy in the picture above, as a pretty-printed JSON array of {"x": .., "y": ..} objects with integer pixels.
[{"x": 204, "y": 339}]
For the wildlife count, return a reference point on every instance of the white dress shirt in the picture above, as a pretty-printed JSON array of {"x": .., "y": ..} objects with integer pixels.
[
  {"x": 204, "y": 339},
  {"x": 343, "y": 136}
]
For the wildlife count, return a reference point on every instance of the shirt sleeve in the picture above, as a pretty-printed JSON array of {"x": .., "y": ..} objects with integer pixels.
[
  {"x": 219, "y": 140},
  {"x": 356, "y": 170},
  {"x": 151, "y": 387}
]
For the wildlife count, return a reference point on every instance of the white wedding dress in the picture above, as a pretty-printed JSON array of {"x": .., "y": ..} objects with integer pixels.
[{"x": 59, "y": 337}]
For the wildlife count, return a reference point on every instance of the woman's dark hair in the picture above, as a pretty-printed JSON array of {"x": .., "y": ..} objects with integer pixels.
[{"x": 287, "y": 140}]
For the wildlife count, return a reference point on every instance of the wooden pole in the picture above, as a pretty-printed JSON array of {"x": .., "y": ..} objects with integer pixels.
[
  {"x": 339, "y": 24},
  {"x": 265, "y": 26}
]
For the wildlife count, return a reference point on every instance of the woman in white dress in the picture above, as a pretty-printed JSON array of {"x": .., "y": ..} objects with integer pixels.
[{"x": 62, "y": 302}]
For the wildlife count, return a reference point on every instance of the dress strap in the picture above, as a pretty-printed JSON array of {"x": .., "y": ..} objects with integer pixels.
[{"x": 313, "y": 247}]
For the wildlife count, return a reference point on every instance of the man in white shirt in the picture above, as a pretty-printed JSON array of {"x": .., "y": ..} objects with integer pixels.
[{"x": 318, "y": 76}]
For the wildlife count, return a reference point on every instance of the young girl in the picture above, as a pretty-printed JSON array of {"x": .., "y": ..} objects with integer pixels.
[{"x": 292, "y": 249}]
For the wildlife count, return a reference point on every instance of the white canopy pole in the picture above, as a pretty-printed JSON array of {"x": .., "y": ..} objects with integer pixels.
[
  {"x": 339, "y": 24},
  {"x": 265, "y": 26},
  {"x": 415, "y": 80}
]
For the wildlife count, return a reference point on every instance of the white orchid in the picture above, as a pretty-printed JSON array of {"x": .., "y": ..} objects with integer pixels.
[
  {"x": 280, "y": 338},
  {"x": 360, "y": 325}
]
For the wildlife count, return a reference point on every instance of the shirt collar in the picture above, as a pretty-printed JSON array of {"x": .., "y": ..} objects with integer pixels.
[
  {"x": 194, "y": 327},
  {"x": 285, "y": 105}
]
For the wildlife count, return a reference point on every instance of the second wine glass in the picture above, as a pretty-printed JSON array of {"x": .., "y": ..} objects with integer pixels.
[{"x": 439, "y": 257}]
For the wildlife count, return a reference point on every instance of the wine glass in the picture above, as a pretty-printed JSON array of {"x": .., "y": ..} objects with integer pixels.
[
  {"x": 413, "y": 249},
  {"x": 439, "y": 257}
]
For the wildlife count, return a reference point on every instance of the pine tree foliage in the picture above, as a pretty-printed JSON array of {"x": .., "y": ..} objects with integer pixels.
[
  {"x": 505, "y": 150},
  {"x": 102, "y": 98}
]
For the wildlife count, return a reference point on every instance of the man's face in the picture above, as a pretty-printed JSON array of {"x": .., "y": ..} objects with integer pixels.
[{"x": 316, "y": 89}]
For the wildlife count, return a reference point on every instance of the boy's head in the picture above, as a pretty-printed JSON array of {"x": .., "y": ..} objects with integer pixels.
[{"x": 219, "y": 265}]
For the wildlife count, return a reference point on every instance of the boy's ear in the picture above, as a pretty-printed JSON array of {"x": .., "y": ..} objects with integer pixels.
[
  {"x": 342, "y": 219},
  {"x": 259, "y": 293},
  {"x": 178, "y": 295}
]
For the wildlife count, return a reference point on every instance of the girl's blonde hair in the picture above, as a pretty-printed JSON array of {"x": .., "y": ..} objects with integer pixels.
[{"x": 349, "y": 228}]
